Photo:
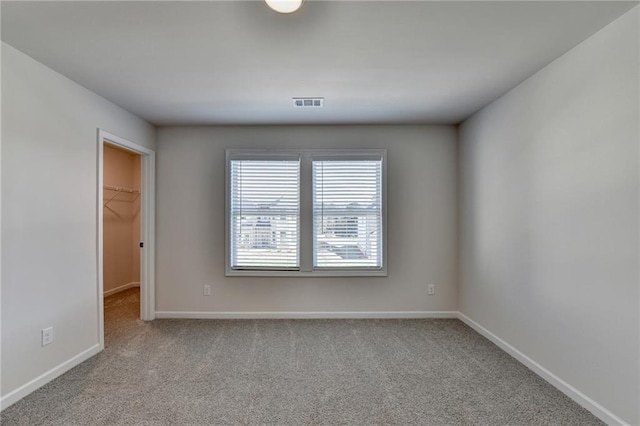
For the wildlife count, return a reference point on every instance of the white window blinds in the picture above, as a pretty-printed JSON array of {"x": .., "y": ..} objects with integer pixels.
[
  {"x": 264, "y": 214},
  {"x": 347, "y": 213}
]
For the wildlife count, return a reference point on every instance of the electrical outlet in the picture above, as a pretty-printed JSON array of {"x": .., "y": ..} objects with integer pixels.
[
  {"x": 431, "y": 289},
  {"x": 47, "y": 336},
  {"x": 206, "y": 290}
]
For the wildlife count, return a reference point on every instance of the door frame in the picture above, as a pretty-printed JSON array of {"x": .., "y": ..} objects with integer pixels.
[{"x": 147, "y": 226}]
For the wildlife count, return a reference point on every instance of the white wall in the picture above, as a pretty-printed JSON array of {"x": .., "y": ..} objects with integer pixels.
[
  {"x": 549, "y": 218},
  {"x": 421, "y": 222},
  {"x": 49, "y": 215}
]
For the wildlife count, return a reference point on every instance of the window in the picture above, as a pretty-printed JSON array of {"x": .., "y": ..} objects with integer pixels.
[
  {"x": 347, "y": 213},
  {"x": 306, "y": 213},
  {"x": 265, "y": 214}
]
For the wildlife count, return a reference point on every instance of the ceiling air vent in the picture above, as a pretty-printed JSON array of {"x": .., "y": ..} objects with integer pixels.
[{"x": 308, "y": 102}]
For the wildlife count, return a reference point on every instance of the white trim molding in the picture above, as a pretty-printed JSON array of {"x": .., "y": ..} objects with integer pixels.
[
  {"x": 43, "y": 379},
  {"x": 122, "y": 288},
  {"x": 583, "y": 400},
  {"x": 307, "y": 315}
]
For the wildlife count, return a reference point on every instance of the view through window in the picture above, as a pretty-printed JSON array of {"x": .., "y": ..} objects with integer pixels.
[
  {"x": 265, "y": 214},
  {"x": 347, "y": 213}
]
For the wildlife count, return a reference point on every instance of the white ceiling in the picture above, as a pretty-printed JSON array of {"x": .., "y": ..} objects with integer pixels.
[{"x": 237, "y": 62}]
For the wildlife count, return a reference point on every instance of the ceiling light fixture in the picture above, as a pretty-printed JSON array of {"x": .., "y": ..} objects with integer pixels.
[{"x": 284, "y": 6}]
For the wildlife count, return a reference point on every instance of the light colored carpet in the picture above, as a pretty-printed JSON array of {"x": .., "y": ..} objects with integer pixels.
[{"x": 294, "y": 372}]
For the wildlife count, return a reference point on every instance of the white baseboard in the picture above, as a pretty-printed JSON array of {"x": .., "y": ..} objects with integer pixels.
[
  {"x": 306, "y": 315},
  {"x": 24, "y": 390},
  {"x": 121, "y": 288},
  {"x": 596, "y": 409}
]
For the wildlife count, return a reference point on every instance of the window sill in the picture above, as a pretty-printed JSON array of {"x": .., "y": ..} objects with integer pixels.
[{"x": 308, "y": 274}]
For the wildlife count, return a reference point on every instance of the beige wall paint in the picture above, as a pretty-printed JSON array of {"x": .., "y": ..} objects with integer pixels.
[
  {"x": 121, "y": 219},
  {"x": 49, "y": 214},
  {"x": 421, "y": 222},
  {"x": 549, "y": 218},
  {"x": 135, "y": 229}
]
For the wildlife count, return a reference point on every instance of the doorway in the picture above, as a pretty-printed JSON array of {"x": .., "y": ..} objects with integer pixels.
[{"x": 126, "y": 210}]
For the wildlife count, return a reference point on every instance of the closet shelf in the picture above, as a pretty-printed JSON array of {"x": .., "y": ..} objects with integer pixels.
[{"x": 119, "y": 190}]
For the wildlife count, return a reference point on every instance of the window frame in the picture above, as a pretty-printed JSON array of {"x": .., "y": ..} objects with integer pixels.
[{"x": 306, "y": 229}]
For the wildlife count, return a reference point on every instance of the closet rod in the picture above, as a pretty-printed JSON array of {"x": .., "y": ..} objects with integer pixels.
[{"x": 121, "y": 189}]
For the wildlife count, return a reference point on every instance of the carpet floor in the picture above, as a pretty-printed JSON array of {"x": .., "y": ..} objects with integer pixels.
[{"x": 294, "y": 372}]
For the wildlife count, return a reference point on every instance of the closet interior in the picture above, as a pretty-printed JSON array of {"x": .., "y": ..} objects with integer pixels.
[{"x": 121, "y": 228}]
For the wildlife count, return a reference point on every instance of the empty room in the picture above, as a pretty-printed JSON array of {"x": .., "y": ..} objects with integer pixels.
[{"x": 290, "y": 212}]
